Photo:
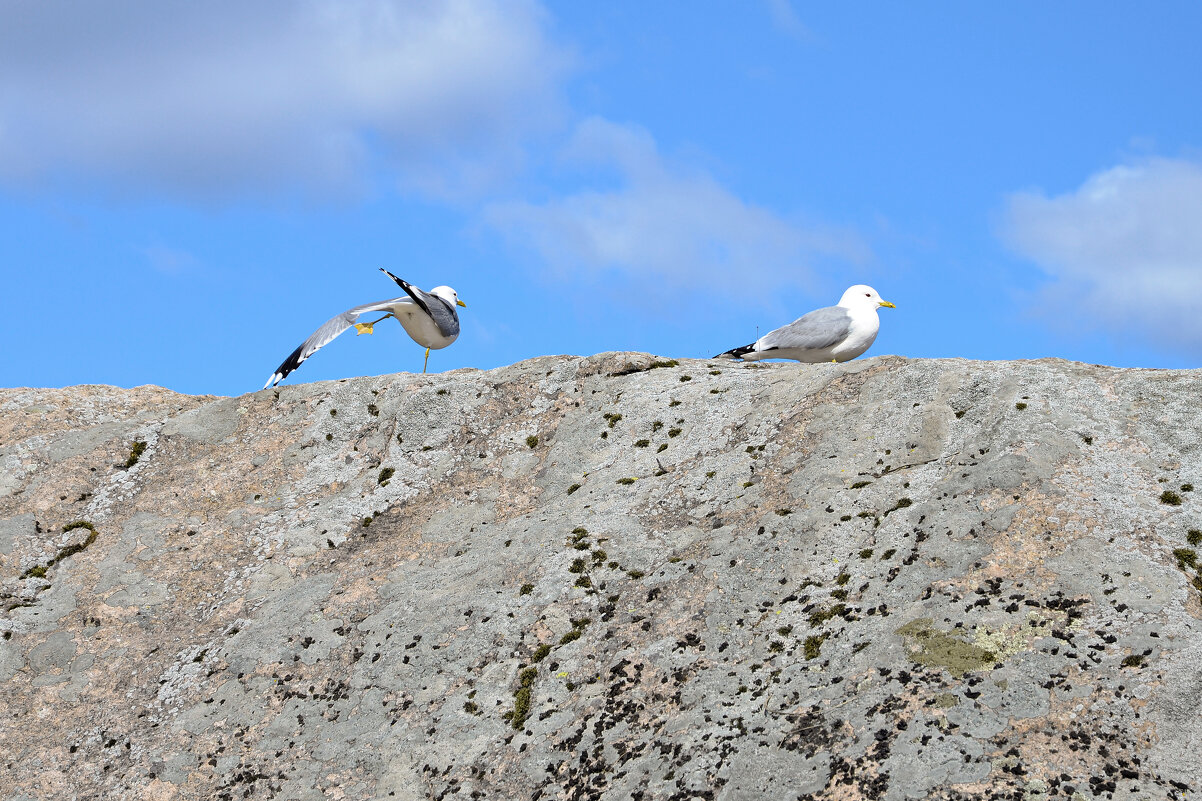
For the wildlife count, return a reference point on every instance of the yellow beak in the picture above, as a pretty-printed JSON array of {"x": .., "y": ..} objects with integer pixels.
[
  {"x": 461, "y": 303},
  {"x": 887, "y": 304}
]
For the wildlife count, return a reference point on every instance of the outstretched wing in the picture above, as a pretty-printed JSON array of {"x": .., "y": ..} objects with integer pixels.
[
  {"x": 440, "y": 311},
  {"x": 326, "y": 334},
  {"x": 820, "y": 329}
]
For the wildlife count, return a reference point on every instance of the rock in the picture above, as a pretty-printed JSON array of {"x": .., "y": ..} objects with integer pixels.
[{"x": 615, "y": 577}]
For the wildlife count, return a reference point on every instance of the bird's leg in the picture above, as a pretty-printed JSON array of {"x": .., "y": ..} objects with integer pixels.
[
  {"x": 427, "y": 361},
  {"x": 365, "y": 328}
]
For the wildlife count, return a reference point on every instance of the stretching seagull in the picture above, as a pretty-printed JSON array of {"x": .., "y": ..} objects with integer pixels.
[
  {"x": 429, "y": 318},
  {"x": 832, "y": 334}
]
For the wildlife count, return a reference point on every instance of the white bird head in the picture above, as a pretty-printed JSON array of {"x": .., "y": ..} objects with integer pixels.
[
  {"x": 863, "y": 295},
  {"x": 449, "y": 295}
]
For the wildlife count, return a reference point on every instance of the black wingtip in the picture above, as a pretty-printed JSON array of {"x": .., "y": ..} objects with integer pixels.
[
  {"x": 293, "y": 361},
  {"x": 736, "y": 353},
  {"x": 402, "y": 283}
]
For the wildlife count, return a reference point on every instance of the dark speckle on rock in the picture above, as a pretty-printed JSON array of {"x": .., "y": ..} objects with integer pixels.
[{"x": 759, "y": 611}]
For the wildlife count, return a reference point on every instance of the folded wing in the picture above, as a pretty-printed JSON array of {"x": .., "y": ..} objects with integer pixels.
[{"x": 820, "y": 329}]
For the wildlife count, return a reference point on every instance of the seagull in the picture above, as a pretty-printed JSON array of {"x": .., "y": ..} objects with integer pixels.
[
  {"x": 429, "y": 318},
  {"x": 831, "y": 334}
]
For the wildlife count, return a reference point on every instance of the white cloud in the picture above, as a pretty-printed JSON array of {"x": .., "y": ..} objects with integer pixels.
[
  {"x": 666, "y": 225},
  {"x": 785, "y": 18},
  {"x": 222, "y": 97},
  {"x": 1124, "y": 251}
]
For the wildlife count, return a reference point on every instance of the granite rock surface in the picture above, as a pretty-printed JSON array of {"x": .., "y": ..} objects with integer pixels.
[{"x": 616, "y": 577}]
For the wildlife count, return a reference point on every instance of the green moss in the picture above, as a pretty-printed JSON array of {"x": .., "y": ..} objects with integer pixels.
[
  {"x": 747, "y": 484},
  {"x": 635, "y": 574},
  {"x": 711, "y": 473},
  {"x": 674, "y": 432},
  {"x": 385, "y": 474},
  {"x": 656, "y": 426},
  {"x": 663, "y": 447},
  {"x": 843, "y": 578},
  {"x": 578, "y": 532},
  {"x": 443, "y": 392},
  {"x": 1194, "y": 537},
  {"x": 540, "y": 653},
  {"x": 784, "y": 631},
  {"x": 1088, "y": 440},
  {"x": 373, "y": 410},
  {"x": 471, "y": 708},
  {"x": 1170, "y": 498},
  {"x": 784, "y": 512},
  {"x": 521, "y": 698},
  {"x": 888, "y": 554},
  {"x": 79, "y": 524},
  {"x": 844, "y": 518},
  {"x": 600, "y": 556},
  {"x": 571, "y": 636},
  {"x": 333, "y": 412},
  {"x": 866, "y": 553},
  {"x": 902, "y": 503},
  {"x": 931, "y": 647},
  {"x": 137, "y": 448},
  {"x": 76, "y": 547},
  {"x": 684, "y": 378},
  {"x": 674, "y": 403},
  {"x": 366, "y": 521},
  {"x": 584, "y": 581},
  {"x": 613, "y": 418},
  {"x": 627, "y": 480},
  {"x": 577, "y": 566},
  {"x": 37, "y": 571},
  {"x": 1187, "y": 487},
  {"x": 1133, "y": 660},
  {"x": 839, "y": 594},
  {"x": 776, "y": 646},
  {"x": 813, "y": 646},
  {"x": 573, "y": 488},
  {"x": 531, "y": 441},
  {"x": 820, "y": 616},
  {"x": 864, "y": 514},
  {"x": 1020, "y": 406},
  {"x": 655, "y": 365},
  {"x": 959, "y": 414},
  {"x": 329, "y": 437},
  {"x": 946, "y": 701},
  {"x": 604, "y": 435},
  {"x": 642, "y": 443},
  {"x": 860, "y": 484},
  {"x": 526, "y": 589},
  {"x": 1186, "y": 558}
]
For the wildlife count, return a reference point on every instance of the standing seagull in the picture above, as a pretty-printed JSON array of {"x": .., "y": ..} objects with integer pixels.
[
  {"x": 832, "y": 334},
  {"x": 429, "y": 318}
]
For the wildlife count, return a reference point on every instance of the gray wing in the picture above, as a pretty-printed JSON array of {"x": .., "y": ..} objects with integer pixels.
[
  {"x": 444, "y": 316},
  {"x": 323, "y": 336},
  {"x": 821, "y": 328},
  {"x": 440, "y": 311}
]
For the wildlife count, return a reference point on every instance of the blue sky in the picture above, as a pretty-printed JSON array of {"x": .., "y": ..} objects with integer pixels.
[{"x": 188, "y": 190}]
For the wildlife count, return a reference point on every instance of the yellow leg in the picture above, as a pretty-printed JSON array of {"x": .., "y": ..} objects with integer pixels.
[
  {"x": 427, "y": 361},
  {"x": 365, "y": 328}
]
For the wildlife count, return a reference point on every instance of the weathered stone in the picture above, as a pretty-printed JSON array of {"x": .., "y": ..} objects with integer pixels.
[{"x": 591, "y": 578}]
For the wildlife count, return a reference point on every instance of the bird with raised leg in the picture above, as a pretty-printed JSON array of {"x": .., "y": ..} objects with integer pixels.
[{"x": 429, "y": 318}]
